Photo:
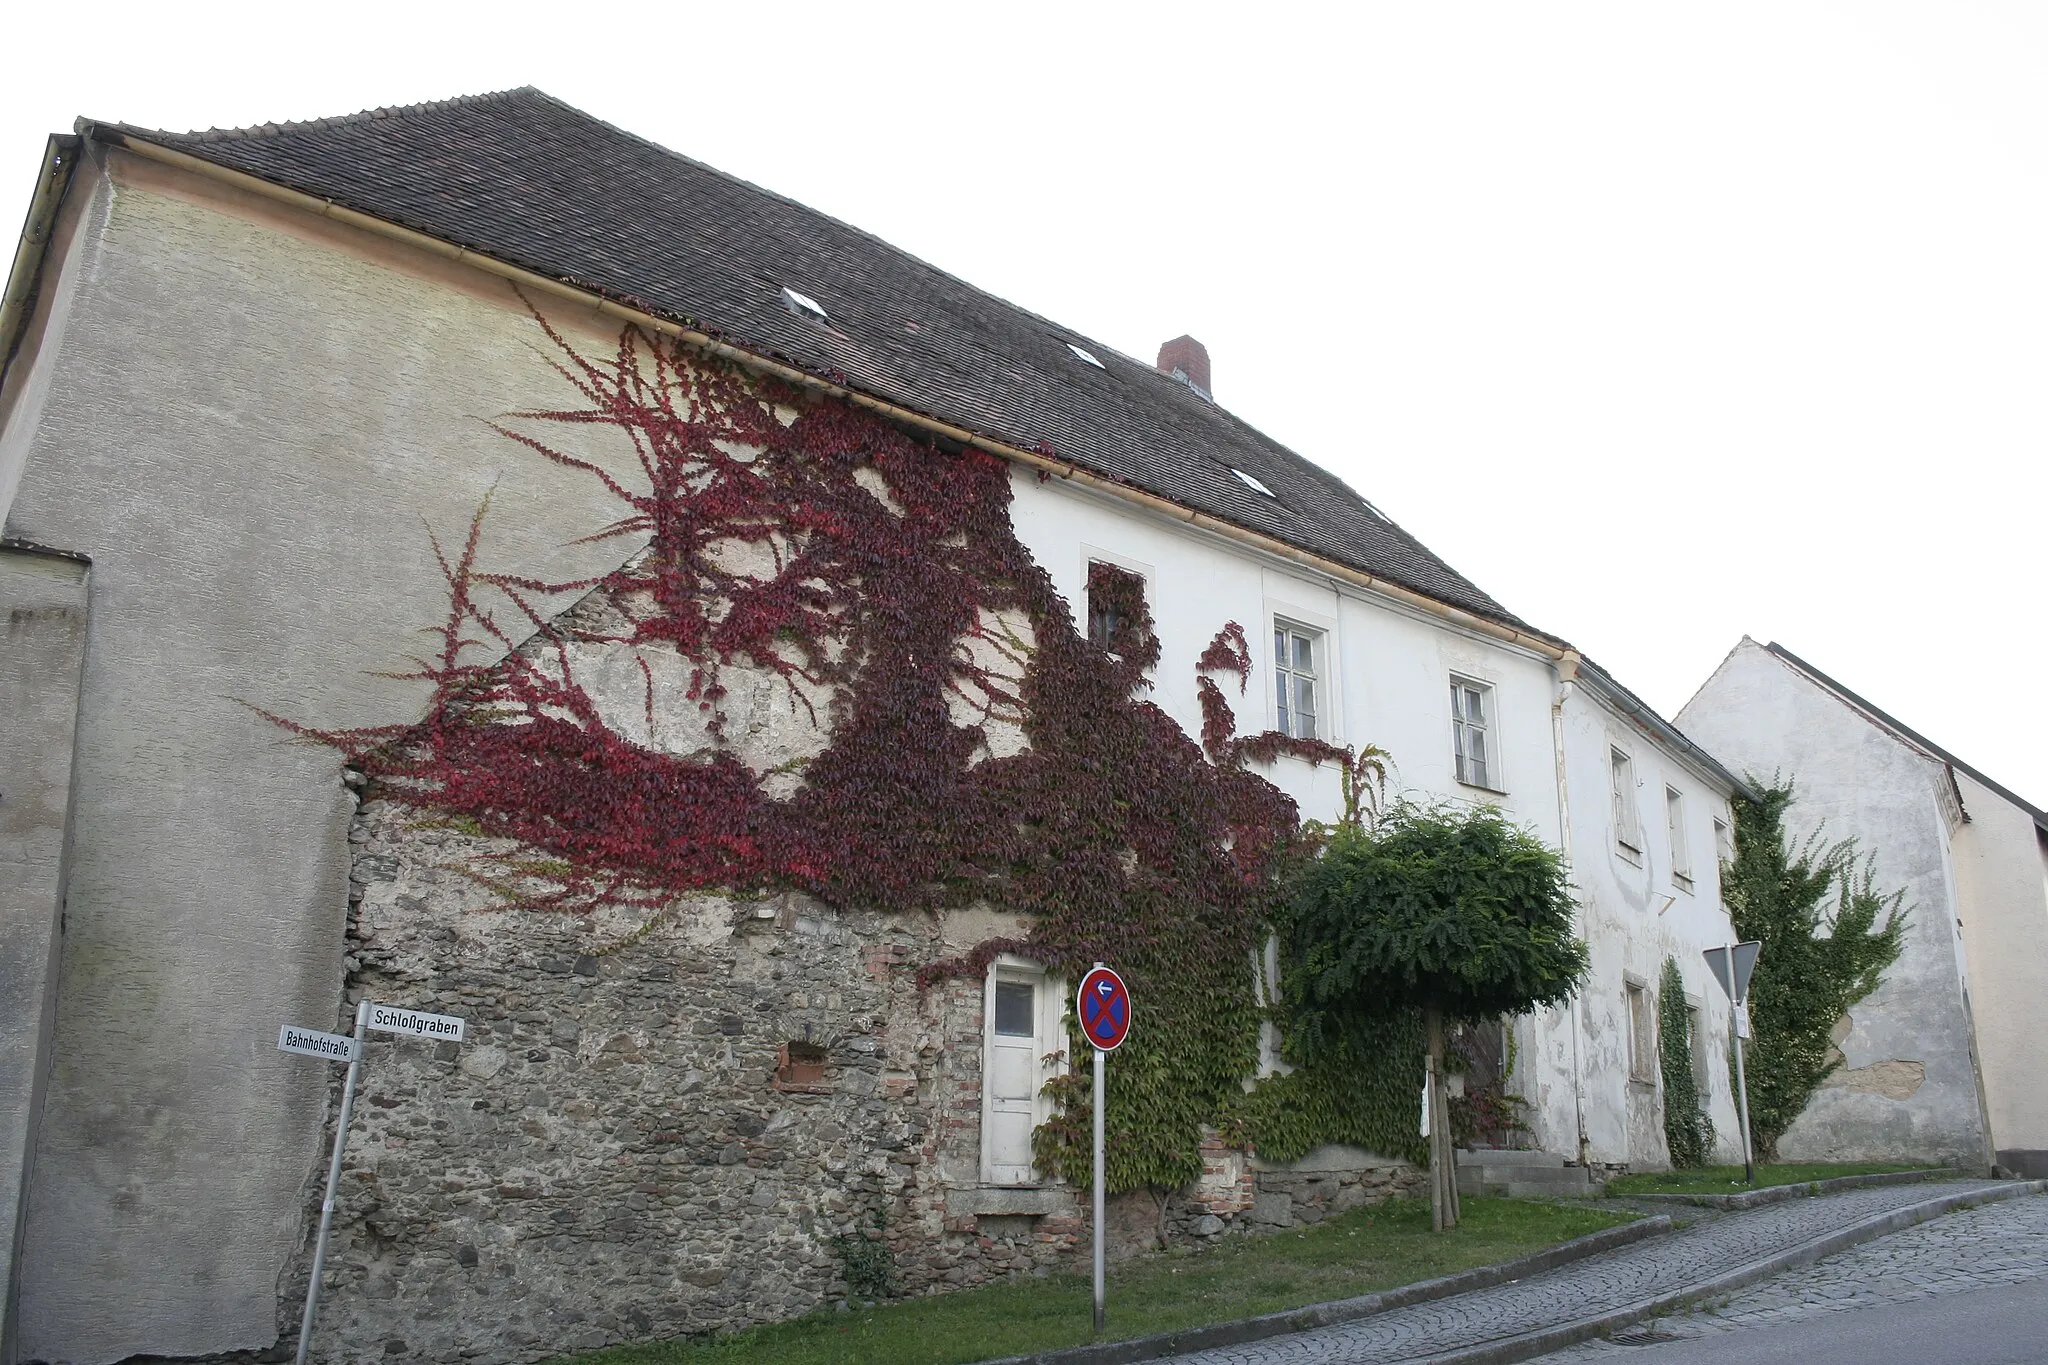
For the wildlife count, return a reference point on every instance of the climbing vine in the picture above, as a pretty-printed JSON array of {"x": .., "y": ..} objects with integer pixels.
[
  {"x": 1688, "y": 1132},
  {"x": 1828, "y": 935},
  {"x": 878, "y": 581}
]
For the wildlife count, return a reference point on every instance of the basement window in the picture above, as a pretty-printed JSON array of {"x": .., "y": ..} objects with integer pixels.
[
  {"x": 1080, "y": 354},
  {"x": 1252, "y": 483},
  {"x": 803, "y": 305}
]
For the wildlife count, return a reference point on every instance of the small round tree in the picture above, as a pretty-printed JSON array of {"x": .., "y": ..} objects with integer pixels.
[{"x": 1450, "y": 911}]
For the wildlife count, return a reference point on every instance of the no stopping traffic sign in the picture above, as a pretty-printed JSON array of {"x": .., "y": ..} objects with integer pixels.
[{"x": 1104, "y": 1004}]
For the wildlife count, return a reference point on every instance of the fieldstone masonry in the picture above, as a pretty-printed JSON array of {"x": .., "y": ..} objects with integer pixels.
[{"x": 623, "y": 1149}]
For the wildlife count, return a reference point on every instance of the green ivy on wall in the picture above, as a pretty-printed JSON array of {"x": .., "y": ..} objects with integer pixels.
[
  {"x": 1365, "y": 1090},
  {"x": 1688, "y": 1132},
  {"x": 1828, "y": 935}
]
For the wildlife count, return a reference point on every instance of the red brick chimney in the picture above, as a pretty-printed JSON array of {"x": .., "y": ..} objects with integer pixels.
[{"x": 1189, "y": 359}]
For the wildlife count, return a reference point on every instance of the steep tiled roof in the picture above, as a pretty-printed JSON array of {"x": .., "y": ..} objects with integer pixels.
[{"x": 533, "y": 182}]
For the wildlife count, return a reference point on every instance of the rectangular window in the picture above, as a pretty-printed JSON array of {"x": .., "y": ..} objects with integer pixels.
[
  {"x": 1627, "y": 831},
  {"x": 1471, "y": 732},
  {"x": 1696, "y": 1036},
  {"x": 1116, "y": 608},
  {"x": 1724, "y": 842},
  {"x": 1642, "y": 1035},
  {"x": 1021, "y": 1030},
  {"x": 1295, "y": 651},
  {"x": 1681, "y": 854}
]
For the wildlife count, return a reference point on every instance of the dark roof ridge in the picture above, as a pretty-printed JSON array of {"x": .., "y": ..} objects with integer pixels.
[
  {"x": 261, "y": 130},
  {"x": 1908, "y": 734}
]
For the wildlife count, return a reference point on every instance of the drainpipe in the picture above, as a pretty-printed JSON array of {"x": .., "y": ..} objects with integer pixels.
[
  {"x": 25, "y": 278},
  {"x": 1567, "y": 669}
]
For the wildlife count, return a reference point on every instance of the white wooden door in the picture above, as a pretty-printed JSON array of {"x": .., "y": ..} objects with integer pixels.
[{"x": 1012, "y": 1081}]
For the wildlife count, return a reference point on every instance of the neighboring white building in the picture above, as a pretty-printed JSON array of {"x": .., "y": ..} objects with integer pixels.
[
  {"x": 1649, "y": 825},
  {"x": 1943, "y": 1062}
]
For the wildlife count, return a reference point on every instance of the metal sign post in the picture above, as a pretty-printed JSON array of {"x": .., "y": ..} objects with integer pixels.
[
  {"x": 1104, "y": 1006},
  {"x": 348, "y": 1100},
  {"x": 336, "y": 1047},
  {"x": 1732, "y": 966}
]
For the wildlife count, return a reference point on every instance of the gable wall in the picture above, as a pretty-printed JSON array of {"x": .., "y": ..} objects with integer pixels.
[
  {"x": 2002, "y": 901},
  {"x": 1633, "y": 914},
  {"x": 249, "y": 421},
  {"x": 1908, "y": 1090}
]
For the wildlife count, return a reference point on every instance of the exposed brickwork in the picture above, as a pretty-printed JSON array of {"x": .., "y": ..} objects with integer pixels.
[{"x": 1190, "y": 357}]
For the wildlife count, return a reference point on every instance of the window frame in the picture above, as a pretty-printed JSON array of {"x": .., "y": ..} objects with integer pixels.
[
  {"x": 1681, "y": 847},
  {"x": 1319, "y": 677},
  {"x": 1626, "y": 815},
  {"x": 1640, "y": 1007},
  {"x": 1702, "y": 1064},
  {"x": 1096, "y": 554},
  {"x": 1489, "y": 729},
  {"x": 1048, "y": 1039}
]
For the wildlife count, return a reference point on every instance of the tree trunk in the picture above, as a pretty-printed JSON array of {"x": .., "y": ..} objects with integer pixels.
[{"x": 1443, "y": 1184}]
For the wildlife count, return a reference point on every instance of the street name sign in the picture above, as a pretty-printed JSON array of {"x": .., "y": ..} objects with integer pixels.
[
  {"x": 1105, "y": 1009},
  {"x": 447, "y": 1028},
  {"x": 334, "y": 1047}
]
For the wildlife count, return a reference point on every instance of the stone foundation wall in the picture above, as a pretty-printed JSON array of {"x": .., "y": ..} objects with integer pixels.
[{"x": 620, "y": 1150}]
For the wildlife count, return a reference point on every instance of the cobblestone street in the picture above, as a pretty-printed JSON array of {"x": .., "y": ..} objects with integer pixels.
[
  {"x": 1712, "y": 1246},
  {"x": 1989, "y": 1247}
]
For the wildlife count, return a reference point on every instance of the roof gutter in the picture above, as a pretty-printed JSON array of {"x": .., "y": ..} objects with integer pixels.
[
  {"x": 24, "y": 280},
  {"x": 1624, "y": 701},
  {"x": 1545, "y": 646}
]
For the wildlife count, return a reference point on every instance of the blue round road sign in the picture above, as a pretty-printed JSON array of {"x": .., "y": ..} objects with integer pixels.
[{"x": 1105, "y": 1008}]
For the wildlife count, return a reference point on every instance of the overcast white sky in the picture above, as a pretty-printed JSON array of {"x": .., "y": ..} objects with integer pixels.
[{"x": 1663, "y": 324}]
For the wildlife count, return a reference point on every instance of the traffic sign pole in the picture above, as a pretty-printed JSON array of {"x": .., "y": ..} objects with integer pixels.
[
  {"x": 1103, "y": 1005},
  {"x": 1099, "y": 1055},
  {"x": 1732, "y": 966},
  {"x": 348, "y": 1100},
  {"x": 1742, "y": 1094}
]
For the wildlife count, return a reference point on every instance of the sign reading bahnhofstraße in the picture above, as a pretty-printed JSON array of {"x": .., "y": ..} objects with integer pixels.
[
  {"x": 447, "y": 1028},
  {"x": 335, "y": 1047}
]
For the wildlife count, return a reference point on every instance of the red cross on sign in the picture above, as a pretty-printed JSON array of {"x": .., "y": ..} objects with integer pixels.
[{"x": 1104, "y": 1005}]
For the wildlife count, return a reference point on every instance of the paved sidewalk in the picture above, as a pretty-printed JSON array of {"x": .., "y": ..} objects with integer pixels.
[
  {"x": 1989, "y": 1247},
  {"x": 1611, "y": 1280}
]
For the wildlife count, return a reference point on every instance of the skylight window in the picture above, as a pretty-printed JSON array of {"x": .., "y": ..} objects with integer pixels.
[
  {"x": 1252, "y": 483},
  {"x": 803, "y": 305},
  {"x": 1080, "y": 354}
]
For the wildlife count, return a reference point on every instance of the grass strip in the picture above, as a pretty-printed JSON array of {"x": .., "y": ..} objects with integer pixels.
[
  {"x": 1728, "y": 1179},
  {"x": 1353, "y": 1253}
]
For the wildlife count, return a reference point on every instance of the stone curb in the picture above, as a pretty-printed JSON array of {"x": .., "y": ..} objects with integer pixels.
[
  {"x": 1778, "y": 1194},
  {"x": 1344, "y": 1310},
  {"x": 1508, "y": 1350}
]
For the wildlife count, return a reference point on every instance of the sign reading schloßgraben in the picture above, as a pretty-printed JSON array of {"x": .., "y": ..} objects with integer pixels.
[
  {"x": 335, "y": 1047},
  {"x": 448, "y": 1028}
]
